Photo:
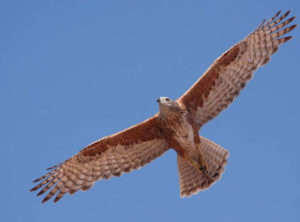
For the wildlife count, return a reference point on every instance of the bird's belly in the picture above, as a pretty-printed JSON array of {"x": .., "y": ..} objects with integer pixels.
[{"x": 185, "y": 137}]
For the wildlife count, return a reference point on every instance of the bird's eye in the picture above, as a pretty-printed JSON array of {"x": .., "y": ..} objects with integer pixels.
[{"x": 167, "y": 99}]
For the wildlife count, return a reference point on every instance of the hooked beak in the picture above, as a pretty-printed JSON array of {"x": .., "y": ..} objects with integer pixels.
[{"x": 158, "y": 100}]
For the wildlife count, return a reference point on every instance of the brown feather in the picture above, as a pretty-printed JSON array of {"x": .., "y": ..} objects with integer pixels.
[
  {"x": 228, "y": 75},
  {"x": 107, "y": 157},
  {"x": 140, "y": 144},
  {"x": 129, "y": 136}
]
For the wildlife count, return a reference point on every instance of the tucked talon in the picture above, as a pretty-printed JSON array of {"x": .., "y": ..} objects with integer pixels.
[{"x": 203, "y": 169}]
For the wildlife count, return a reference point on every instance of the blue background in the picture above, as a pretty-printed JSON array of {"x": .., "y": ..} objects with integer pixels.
[{"x": 72, "y": 72}]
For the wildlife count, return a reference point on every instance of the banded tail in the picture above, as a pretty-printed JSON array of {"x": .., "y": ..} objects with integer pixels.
[{"x": 192, "y": 180}]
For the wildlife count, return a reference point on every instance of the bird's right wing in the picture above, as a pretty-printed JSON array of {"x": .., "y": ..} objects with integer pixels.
[
  {"x": 228, "y": 75},
  {"x": 110, "y": 156}
]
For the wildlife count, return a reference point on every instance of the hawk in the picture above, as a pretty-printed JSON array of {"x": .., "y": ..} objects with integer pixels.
[{"x": 200, "y": 161}]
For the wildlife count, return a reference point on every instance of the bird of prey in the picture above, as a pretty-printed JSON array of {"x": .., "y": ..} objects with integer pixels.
[{"x": 200, "y": 161}]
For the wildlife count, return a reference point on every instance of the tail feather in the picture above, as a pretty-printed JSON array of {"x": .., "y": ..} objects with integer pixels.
[{"x": 191, "y": 180}]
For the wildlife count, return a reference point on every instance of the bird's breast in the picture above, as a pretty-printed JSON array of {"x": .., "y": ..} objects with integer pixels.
[
  {"x": 184, "y": 135},
  {"x": 179, "y": 131}
]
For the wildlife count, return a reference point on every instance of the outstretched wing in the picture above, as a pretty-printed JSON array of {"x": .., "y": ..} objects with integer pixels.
[
  {"x": 228, "y": 75},
  {"x": 107, "y": 157}
]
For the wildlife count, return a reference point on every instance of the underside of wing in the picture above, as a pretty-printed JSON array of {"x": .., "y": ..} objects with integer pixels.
[
  {"x": 107, "y": 157},
  {"x": 228, "y": 75}
]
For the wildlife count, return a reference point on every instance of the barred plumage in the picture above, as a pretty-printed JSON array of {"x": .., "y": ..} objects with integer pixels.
[
  {"x": 175, "y": 126},
  {"x": 229, "y": 74},
  {"x": 125, "y": 153},
  {"x": 191, "y": 180}
]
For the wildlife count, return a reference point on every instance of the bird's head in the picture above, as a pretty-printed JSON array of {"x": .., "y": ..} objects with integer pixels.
[{"x": 167, "y": 104}]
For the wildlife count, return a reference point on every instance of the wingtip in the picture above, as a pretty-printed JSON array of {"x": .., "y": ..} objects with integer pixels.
[
  {"x": 293, "y": 27},
  {"x": 291, "y": 19},
  {"x": 40, "y": 193},
  {"x": 277, "y": 13},
  {"x": 33, "y": 189},
  {"x": 285, "y": 39},
  {"x": 56, "y": 199},
  {"x": 50, "y": 168},
  {"x": 45, "y": 199},
  {"x": 287, "y": 12},
  {"x": 36, "y": 180}
]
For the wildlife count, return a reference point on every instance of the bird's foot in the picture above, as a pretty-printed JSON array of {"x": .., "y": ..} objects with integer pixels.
[
  {"x": 202, "y": 167},
  {"x": 202, "y": 164}
]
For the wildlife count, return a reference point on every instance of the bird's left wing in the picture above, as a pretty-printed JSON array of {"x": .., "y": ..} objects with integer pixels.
[
  {"x": 228, "y": 75},
  {"x": 111, "y": 156}
]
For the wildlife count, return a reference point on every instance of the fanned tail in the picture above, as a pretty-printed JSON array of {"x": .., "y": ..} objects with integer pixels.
[{"x": 192, "y": 180}]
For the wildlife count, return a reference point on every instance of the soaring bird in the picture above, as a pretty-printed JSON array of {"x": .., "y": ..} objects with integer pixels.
[{"x": 200, "y": 161}]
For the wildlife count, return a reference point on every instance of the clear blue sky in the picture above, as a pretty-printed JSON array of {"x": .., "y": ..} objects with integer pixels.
[{"x": 72, "y": 72}]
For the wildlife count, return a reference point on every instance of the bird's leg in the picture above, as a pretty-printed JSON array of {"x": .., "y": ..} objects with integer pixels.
[{"x": 200, "y": 165}]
